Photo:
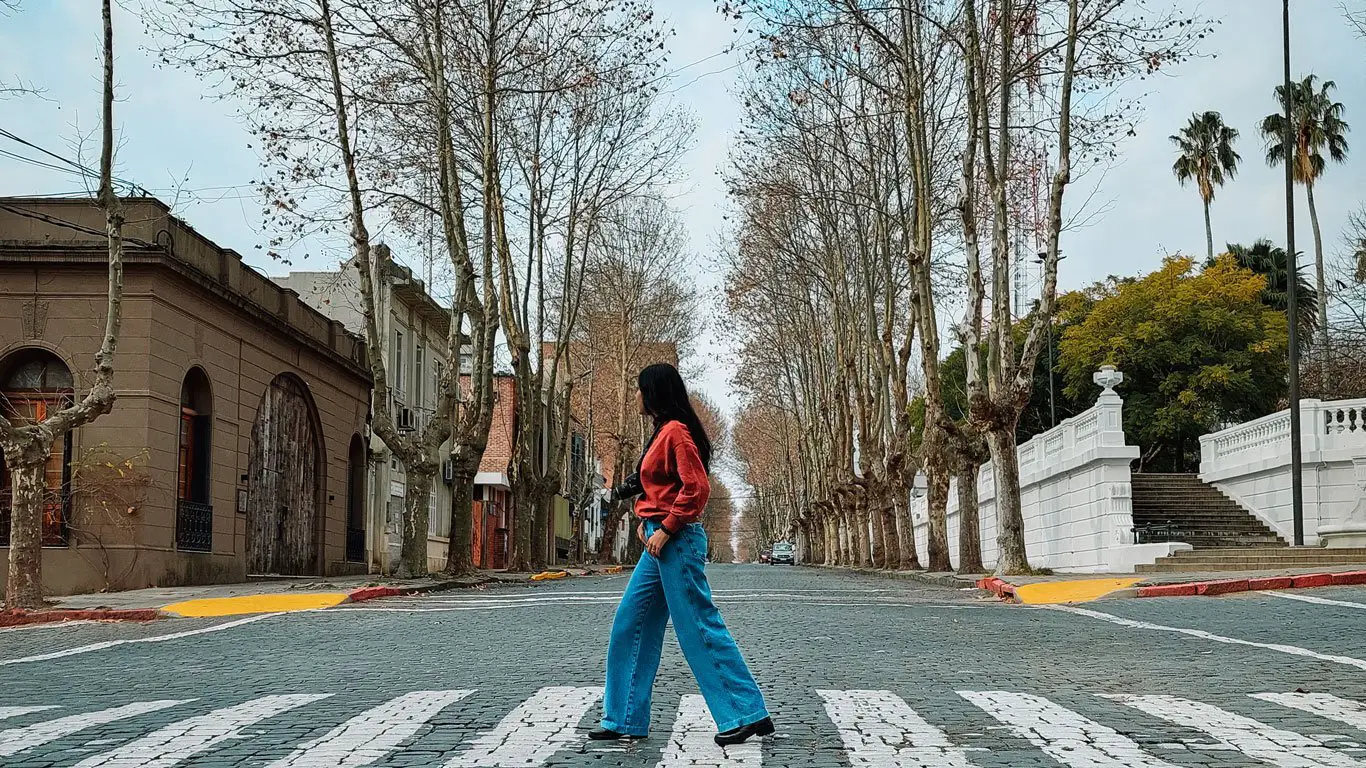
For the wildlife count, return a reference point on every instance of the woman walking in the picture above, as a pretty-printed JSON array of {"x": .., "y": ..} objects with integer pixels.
[{"x": 669, "y": 582}]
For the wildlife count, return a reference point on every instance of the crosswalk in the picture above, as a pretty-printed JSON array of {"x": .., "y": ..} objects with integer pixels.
[{"x": 875, "y": 728}]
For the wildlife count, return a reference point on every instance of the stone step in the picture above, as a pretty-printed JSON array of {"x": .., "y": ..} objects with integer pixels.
[
  {"x": 1200, "y": 566},
  {"x": 1286, "y": 552},
  {"x": 1203, "y": 517}
]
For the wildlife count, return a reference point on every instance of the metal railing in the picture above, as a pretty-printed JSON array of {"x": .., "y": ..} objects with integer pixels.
[{"x": 193, "y": 526}]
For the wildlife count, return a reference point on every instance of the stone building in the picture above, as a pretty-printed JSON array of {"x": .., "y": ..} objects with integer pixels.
[{"x": 237, "y": 442}]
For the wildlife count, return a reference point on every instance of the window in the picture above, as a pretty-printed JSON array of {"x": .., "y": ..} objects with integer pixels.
[
  {"x": 418, "y": 378},
  {"x": 194, "y": 512},
  {"x": 396, "y": 366},
  {"x": 33, "y": 384},
  {"x": 466, "y": 361},
  {"x": 438, "y": 372}
]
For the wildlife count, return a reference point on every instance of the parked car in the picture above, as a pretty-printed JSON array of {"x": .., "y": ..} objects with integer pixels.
[
  {"x": 765, "y": 556},
  {"x": 783, "y": 554}
]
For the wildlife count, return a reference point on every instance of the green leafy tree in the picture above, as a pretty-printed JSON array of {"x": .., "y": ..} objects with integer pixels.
[
  {"x": 1198, "y": 349},
  {"x": 1206, "y": 156},
  {"x": 1269, "y": 261},
  {"x": 1316, "y": 127}
]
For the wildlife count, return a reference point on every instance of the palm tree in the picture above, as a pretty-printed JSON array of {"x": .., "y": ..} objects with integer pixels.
[
  {"x": 1269, "y": 261},
  {"x": 1206, "y": 155},
  {"x": 1316, "y": 125}
]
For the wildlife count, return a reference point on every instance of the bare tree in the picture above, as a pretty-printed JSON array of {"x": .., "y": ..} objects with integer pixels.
[{"x": 27, "y": 440}]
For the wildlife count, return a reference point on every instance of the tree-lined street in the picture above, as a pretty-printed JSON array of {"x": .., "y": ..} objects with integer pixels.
[{"x": 858, "y": 670}]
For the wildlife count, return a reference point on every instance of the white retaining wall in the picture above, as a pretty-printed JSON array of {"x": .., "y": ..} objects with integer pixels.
[
  {"x": 1075, "y": 497},
  {"x": 1250, "y": 463}
]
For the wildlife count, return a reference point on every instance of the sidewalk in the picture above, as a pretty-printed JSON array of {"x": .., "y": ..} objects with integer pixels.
[
  {"x": 267, "y": 595},
  {"x": 1084, "y": 587}
]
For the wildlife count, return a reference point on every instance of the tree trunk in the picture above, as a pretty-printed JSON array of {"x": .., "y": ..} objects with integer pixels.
[
  {"x": 607, "y": 546},
  {"x": 891, "y": 540},
  {"x": 25, "y": 590},
  {"x": 905, "y": 533},
  {"x": 1322, "y": 308},
  {"x": 459, "y": 557},
  {"x": 542, "y": 531},
  {"x": 937, "y": 548},
  {"x": 1209, "y": 233},
  {"x": 969, "y": 523},
  {"x": 878, "y": 541},
  {"x": 845, "y": 556},
  {"x": 519, "y": 559},
  {"x": 412, "y": 559},
  {"x": 865, "y": 539},
  {"x": 1006, "y": 464}
]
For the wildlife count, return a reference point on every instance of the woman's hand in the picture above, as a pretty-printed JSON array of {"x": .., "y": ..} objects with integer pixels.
[{"x": 656, "y": 543}]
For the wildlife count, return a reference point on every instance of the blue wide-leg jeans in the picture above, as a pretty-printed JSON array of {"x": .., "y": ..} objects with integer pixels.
[{"x": 674, "y": 586}]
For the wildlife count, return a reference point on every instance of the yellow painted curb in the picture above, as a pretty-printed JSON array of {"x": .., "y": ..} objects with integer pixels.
[
  {"x": 236, "y": 606},
  {"x": 1083, "y": 591},
  {"x": 550, "y": 575},
  {"x": 614, "y": 569}
]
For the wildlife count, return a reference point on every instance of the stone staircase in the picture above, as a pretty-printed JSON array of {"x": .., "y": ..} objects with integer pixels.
[
  {"x": 1223, "y": 536},
  {"x": 1197, "y": 514}
]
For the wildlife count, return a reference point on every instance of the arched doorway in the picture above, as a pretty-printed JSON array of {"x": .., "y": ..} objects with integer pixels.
[
  {"x": 284, "y": 482},
  {"x": 356, "y": 470},
  {"x": 194, "y": 510},
  {"x": 33, "y": 383}
]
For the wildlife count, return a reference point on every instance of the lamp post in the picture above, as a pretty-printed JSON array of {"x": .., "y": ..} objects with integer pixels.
[{"x": 1292, "y": 280}]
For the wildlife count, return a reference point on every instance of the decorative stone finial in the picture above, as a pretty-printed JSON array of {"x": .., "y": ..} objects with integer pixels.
[{"x": 1108, "y": 377}]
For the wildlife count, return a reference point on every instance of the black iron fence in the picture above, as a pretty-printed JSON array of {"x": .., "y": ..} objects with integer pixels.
[
  {"x": 193, "y": 526},
  {"x": 355, "y": 545}
]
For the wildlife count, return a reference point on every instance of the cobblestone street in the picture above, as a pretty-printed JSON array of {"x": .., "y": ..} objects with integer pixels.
[{"x": 858, "y": 671}]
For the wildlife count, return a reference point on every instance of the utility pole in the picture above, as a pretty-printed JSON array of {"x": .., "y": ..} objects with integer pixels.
[{"x": 1292, "y": 282}]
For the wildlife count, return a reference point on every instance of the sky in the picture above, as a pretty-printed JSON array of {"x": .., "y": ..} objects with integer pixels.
[{"x": 180, "y": 142}]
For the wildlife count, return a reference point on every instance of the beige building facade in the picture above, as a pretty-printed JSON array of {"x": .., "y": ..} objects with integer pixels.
[{"x": 237, "y": 445}]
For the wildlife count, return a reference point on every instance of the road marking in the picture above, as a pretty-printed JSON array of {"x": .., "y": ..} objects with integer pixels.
[
  {"x": 1254, "y": 739},
  {"x": 1316, "y": 600},
  {"x": 533, "y": 732},
  {"x": 8, "y": 712},
  {"x": 154, "y": 639},
  {"x": 369, "y": 736},
  {"x": 691, "y": 744},
  {"x": 1292, "y": 650},
  {"x": 182, "y": 740},
  {"x": 16, "y": 740},
  {"x": 879, "y": 730},
  {"x": 1344, "y": 711},
  {"x": 51, "y": 625},
  {"x": 1064, "y": 735}
]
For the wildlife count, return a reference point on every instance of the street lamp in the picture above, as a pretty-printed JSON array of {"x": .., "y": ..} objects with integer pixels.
[{"x": 1292, "y": 281}]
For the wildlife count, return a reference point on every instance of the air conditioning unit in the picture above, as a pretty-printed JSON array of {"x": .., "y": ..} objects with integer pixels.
[
  {"x": 448, "y": 471},
  {"x": 405, "y": 420}
]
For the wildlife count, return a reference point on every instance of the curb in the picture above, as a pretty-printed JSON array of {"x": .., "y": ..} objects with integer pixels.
[
  {"x": 1002, "y": 589},
  {"x": 365, "y": 594},
  {"x": 1234, "y": 586},
  {"x": 24, "y": 618},
  {"x": 950, "y": 580}
]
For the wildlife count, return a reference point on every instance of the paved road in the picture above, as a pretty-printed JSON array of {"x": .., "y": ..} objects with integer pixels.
[{"x": 859, "y": 671}]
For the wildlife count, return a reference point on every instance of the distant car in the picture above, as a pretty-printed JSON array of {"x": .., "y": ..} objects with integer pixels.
[
  {"x": 783, "y": 554},
  {"x": 765, "y": 556}
]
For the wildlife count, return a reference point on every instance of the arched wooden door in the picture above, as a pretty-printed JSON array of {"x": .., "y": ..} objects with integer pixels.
[{"x": 283, "y": 484}]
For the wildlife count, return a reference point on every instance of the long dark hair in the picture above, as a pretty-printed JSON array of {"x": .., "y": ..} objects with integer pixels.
[{"x": 665, "y": 398}]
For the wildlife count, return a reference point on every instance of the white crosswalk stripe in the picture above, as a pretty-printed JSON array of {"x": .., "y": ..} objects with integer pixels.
[
  {"x": 1325, "y": 705},
  {"x": 879, "y": 730},
  {"x": 1062, "y": 734},
  {"x": 1258, "y": 740},
  {"x": 369, "y": 736},
  {"x": 16, "y": 740},
  {"x": 180, "y": 741},
  {"x": 691, "y": 744},
  {"x": 8, "y": 712},
  {"x": 533, "y": 732}
]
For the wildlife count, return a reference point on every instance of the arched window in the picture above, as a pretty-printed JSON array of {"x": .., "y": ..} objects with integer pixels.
[
  {"x": 194, "y": 512},
  {"x": 33, "y": 384}
]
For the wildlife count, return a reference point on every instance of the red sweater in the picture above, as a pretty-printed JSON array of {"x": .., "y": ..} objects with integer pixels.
[{"x": 674, "y": 479}]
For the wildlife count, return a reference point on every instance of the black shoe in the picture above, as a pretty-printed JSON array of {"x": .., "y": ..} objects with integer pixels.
[
  {"x": 745, "y": 732},
  {"x": 603, "y": 734}
]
